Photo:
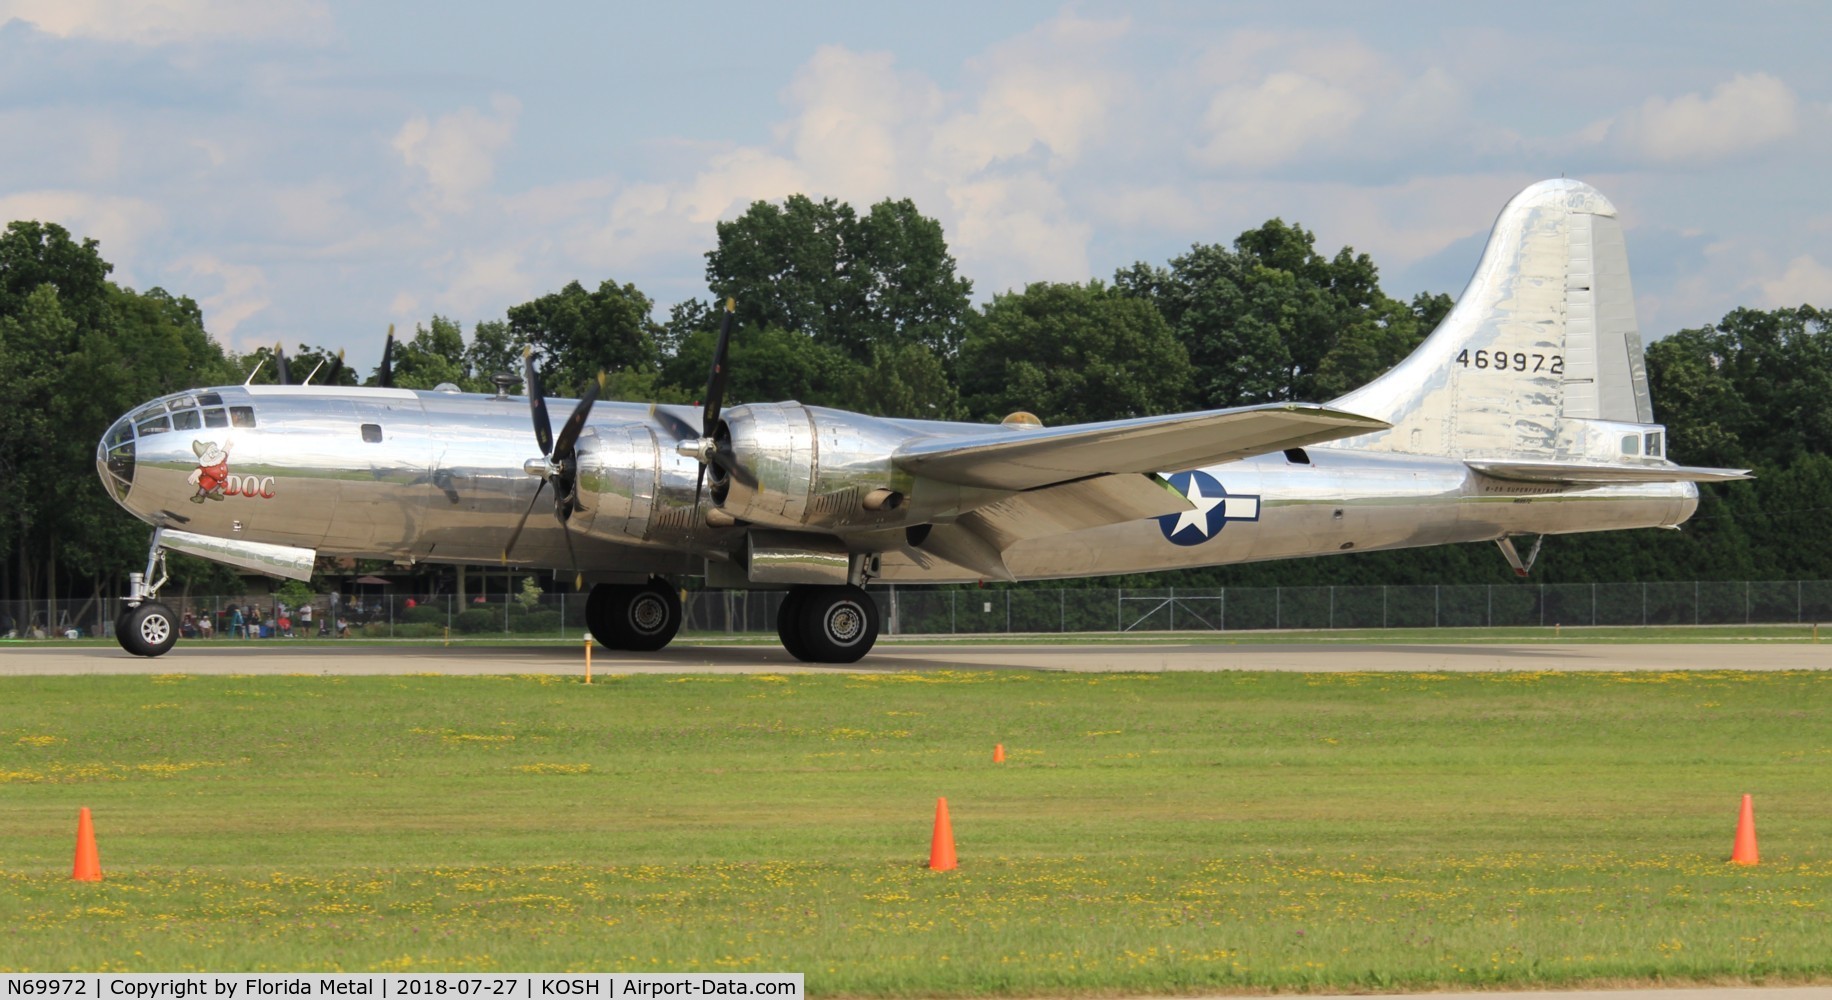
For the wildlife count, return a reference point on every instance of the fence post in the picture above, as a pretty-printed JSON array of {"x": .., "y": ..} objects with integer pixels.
[
  {"x": 1490, "y": 614},
  {"x": 1008, "y": 612},
  {"x": 1062, "y": 611},
  {"x": 1383, "y": 605},
  {"x": 1332, "y": 606},
  {"x": 1593, "y": 605},
  {"x": 1278, "y": 607},
  {"x": 1223, "y": 597},
  {"x": 1119, "y": 613},
  {"x": 1644, "y": 604},
  {"x": 1746, "y": 602},
  {"x": 1437, "y": 605},
  {"x": 952, "y": 628}
]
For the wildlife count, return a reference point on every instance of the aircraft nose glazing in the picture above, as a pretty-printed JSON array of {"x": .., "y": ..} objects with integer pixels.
[{"x": 114, "y": 459}]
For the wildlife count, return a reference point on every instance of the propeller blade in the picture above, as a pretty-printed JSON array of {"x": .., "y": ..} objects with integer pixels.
[
  {"x": 715, "y": 382},
  {"x": 280, "y": 365},
  {"x": 517, "y": 533},
  {"x": 537, "y": 403},
  {"x": 387, "y": 377},
  {"x": 569, "y": 432},
  {"x": 674, "y": 422},
  {"x": 572, "y": 555}
]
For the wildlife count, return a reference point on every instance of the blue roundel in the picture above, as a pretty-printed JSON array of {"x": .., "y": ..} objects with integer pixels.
[{"x": 1215, "y": 507}]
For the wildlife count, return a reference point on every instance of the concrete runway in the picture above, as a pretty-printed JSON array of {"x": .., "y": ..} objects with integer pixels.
[{"x": 282, "y": 657}]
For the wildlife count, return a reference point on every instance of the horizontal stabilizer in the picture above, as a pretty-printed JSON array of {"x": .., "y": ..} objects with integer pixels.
[
  {"x": 1022, "y": 459},
  {"x": 1579, "y": 472}
]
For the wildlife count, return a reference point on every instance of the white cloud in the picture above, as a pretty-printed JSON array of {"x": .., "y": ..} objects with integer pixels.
[
  {"x": 241, "y": 292},
  {"x": 1806, "y": 281},
  {"x": 1254, "y": 126},
  {"x": 1741, "y": 115},
  {"x": 457, "y": 152},
  {"x": 161, "y": 22}
]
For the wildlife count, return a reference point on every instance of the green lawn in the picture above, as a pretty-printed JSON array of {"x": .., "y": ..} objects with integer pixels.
[{"x": 1148, "y": 833}]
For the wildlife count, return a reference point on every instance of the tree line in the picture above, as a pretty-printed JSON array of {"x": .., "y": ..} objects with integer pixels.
[{"x": 866, "y": 311}]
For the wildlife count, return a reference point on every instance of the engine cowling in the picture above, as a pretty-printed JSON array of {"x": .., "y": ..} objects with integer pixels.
[{"x": 808, "y": 466}]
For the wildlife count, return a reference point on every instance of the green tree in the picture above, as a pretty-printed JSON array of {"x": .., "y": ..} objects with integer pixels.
[
  {"x": 1271, "y": 319},
  {"x": 820, "y": 270},
  {"x": 1071, "y": 353},
  {"x": 580, "y": 333}
]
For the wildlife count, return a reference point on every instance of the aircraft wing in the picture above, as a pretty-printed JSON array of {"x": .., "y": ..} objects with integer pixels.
[
  {"x": 1023, "y": 459},
  {"x": 1599, "y": 474}
]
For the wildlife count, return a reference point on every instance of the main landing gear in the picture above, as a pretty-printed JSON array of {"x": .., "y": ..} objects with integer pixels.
[
  {"x": 638, "y": 617},
  {"x": 827, "y": 624},
  {"x": 147, "y": 628}
]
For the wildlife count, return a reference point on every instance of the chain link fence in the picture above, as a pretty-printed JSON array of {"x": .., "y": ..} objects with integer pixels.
[{"x": 924, "y": 611}]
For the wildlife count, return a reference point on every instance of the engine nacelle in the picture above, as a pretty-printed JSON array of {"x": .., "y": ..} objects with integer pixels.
[
  {"x": 620, "y": 479},
  {"x": 807, "y": 466}
]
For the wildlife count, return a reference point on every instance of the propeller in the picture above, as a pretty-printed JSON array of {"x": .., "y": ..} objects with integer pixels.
[
  {"x": 711, "y": 447},
  {"x": 386, "y": 379},
  {"x": 559, "y": 462}
]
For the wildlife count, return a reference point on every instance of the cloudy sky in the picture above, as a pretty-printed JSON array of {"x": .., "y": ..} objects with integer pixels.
[{"x": 312, "y": 171}]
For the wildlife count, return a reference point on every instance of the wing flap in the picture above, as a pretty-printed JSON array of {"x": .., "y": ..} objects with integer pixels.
[
  {"x": 1024, "y": 459},
  {"x": 1598, "y": 474}
]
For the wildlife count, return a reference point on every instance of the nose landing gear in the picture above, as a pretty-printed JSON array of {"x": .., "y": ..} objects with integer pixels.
[{"x": 147, "y": 628}]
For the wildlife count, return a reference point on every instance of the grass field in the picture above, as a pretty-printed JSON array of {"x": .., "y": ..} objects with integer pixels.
[{"x": 1148, "y": 834}]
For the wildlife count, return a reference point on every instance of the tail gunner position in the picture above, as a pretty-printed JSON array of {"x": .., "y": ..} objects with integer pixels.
[{"x": 1524, "y": 413}]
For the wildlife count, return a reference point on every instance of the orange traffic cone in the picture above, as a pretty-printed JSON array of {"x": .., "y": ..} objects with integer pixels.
[
  {"x": 998, "y": 753},
  {"x": 1744, "y": 853},
  {"x": 88, "y": 862},
  {"x": 941, "y": 845}
]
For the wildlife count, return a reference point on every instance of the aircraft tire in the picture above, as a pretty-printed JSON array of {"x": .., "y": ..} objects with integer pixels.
[
  {"x": 147, "y": 630},
  {"x": 789, "y": 624},
  {"x": 838, "y": 624},
  {"x": 603, "y": 614},
  {"x": 649, "y": 617}
]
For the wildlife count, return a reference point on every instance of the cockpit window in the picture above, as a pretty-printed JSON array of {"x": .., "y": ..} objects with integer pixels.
[
  {"x": 215, "y": 417},
  {"x": 241, "y": 416},
  {"x": 209, "y": 399},
  {"x": 155, "y": 425},
  {"x": 183, "y": 403},
  {"x": 186, "y": 420}
]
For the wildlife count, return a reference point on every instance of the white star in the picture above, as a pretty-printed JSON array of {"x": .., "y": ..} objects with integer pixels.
[{"x": 1198, "y": 518}]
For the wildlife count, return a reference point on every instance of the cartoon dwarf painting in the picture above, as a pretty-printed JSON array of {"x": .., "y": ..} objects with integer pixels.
[{"x": 212, "y": 472}]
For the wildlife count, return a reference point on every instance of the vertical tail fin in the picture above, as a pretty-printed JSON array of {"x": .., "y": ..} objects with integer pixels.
[{"x": 1541, "y": 357}]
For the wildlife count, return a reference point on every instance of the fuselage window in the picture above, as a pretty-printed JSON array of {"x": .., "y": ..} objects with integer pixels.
[
  {"x": 1655, "y": 444},
  {"x": 372, "y": 433},
  {"x": 186, "y": 420},
  {"x": 1297, "y": 456},
  {"x": 215, "y": 417},
  {"x": 241, "y": 416},
  {"x": 1631, "y": 444}
]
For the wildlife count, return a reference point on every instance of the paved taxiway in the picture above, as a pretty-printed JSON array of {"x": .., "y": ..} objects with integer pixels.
[{"x": 282, "y": 657}]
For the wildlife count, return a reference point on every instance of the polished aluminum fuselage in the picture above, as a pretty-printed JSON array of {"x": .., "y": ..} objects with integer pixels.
[{"x": 440, "y": 477}]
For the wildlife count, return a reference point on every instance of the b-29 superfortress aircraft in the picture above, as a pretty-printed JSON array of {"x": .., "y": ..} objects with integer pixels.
[{"x": 1525, "y": 413}]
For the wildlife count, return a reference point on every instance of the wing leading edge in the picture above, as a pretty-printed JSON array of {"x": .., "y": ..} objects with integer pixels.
[{"x": 1025, "y": 459}]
